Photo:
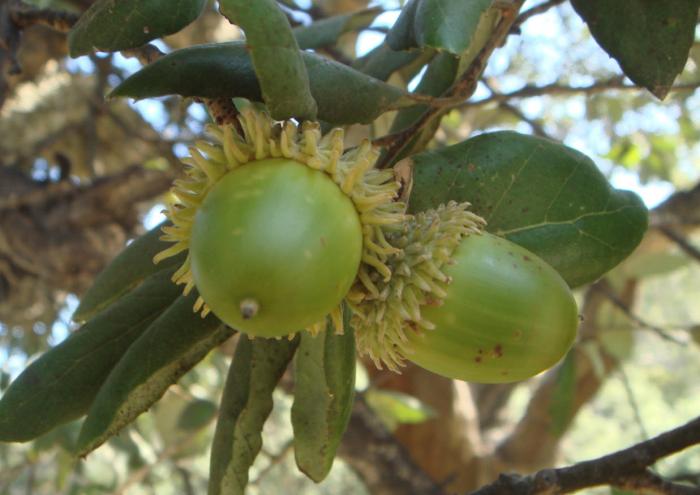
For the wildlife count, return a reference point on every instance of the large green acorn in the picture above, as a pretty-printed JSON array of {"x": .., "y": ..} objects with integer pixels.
[
  {"x": 465, "y": 304},
  {"x": 275, "y": 247},
  {"x": 279, "y": 222}
]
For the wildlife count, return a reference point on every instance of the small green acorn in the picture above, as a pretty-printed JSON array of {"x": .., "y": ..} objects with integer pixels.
[{"x": 465, "y": 304}]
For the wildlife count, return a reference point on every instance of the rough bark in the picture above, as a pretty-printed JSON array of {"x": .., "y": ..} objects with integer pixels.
[
  {"x": 449, "y": 446},
  {"x": 55, "y": 237}
]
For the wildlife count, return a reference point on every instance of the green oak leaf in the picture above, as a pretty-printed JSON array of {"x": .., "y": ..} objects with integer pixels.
[
  {"x": 325, "y": 32},
  {"x": 246, "y": 403},
  {"x": 169, "y": 348},
  {"x": 324, "y": 391},
  {"x": 60, "y": 385},
  {"x": 112, "y": 25},
  {"x": 450, "y": 25},
  {"x": 382, "y": 61},
  {"x": 650, "y": 39},
  {"x": 439, "y": 76},
  {"x": 540, "y": 194},
  {"x": 343, "y": 95},
  {"x": 126, "y": 271},
  {"x": 276, "y": 57}
]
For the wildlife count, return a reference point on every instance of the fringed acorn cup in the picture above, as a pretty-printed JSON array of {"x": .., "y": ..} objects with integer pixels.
[{"x": 279, "y": 222}]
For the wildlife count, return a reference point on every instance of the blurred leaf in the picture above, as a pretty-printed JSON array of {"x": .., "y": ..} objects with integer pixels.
[
  {"x": 344, "y": 95},
  {"x": 197, "y": 414},
  {"x": 652, "y": 156},
  {"x": 112, "y": 25},
  {"x": 126, "y": 444},
  {"x": 60, "y": 385},
  {"x": 540, "y": 194},
  {"x": 648, "y": 38},
  {"x": 608, "y": 107},
  {"x": 449, "y": 25},
  {"x": 695, "y": 334},
  {"x": 625, "y": 152},
  {"x": 168, "y": 349},
  {"x": 63, "y": 436},
  {"x": 396, "y": 408},
  {"x": 276, "y": 57},
  {"x": 325, "y": 32},
  {"x": 167, "y": 417},
  {"x": 618, "y": 341},
  {"x": 563, "y": 395},
  {"x": 643, "y": 265},
  {"x": 382, "y": 61},
  {"x": 324, "y": 391},
  {"x": 617, "y": 491},
  {"x": 403, "y": 35},
  {"x": 4, "y": 380},
  {"x": 126, "y": 271},
  {"x": 247, "y": 402},
  {"x": 439, "y": 76},
  {"x": 592, "y": 350}
]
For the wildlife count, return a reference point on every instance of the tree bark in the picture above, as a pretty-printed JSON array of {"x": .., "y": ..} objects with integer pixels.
[{"x": 55, "y": 237}]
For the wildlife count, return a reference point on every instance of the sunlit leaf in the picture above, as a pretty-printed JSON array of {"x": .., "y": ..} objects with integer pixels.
[
  {"x": 648, "y": 264},
  {"x": 396, "y": 408}
]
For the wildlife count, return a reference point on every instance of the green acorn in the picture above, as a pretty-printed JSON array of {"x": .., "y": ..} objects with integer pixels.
[{"x": 465, "y": 304}]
